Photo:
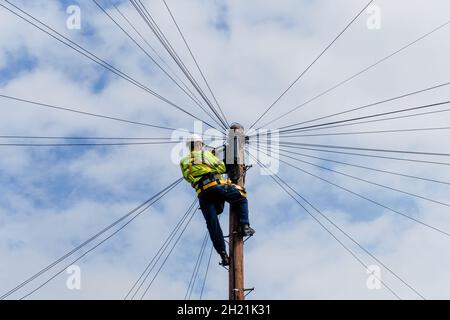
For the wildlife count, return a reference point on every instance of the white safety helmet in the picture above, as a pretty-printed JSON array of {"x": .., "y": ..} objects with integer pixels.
[{"x": 193, "y": 139}]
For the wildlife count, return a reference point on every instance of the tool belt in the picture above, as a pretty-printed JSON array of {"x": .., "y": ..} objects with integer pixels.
[
  {"x": 213, "y": 180},
  {"x": 210, "y": 180}
]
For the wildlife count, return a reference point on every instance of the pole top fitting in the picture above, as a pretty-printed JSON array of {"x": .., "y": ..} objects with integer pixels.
[{"x": 236, "y": 126}]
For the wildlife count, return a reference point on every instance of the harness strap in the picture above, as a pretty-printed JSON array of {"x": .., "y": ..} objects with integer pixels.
[
  {"x": 211, "y": 184},
  {"x": 221, "y": 181}
]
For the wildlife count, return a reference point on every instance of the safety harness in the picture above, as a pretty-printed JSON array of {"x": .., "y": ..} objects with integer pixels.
[
  {"x": 211, "y": 180},
  {"x": 215, "y": 180}
]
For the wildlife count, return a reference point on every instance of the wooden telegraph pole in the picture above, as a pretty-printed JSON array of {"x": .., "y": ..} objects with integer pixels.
[{"x": 235, "y": 161}]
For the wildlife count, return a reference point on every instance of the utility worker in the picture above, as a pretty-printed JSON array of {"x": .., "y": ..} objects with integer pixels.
[{"x": 203, "y": 170}]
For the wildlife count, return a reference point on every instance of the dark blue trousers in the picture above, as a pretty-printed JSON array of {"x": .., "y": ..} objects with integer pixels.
[{"x": 211, "y": 204}]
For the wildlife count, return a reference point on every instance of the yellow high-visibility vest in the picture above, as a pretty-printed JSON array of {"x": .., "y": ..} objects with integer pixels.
[{"x": 200, "y": 163}]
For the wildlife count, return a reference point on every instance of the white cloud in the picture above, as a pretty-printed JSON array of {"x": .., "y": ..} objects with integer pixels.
[{"x": 51, "y": 200}]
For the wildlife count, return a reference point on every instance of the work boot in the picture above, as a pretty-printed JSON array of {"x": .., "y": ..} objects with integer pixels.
[
  {"x": 246, "y": 230},
  {"x": 225, "y": 260}
]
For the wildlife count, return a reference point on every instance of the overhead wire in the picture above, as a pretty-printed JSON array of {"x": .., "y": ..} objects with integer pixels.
[
  {"x": 78, "y": 138},
  {"x": 378, "y": 120},
  {"x": 18, "y": 137},
  {"x": 347, "y": 235},
  {"x": 367, "y": 132},
  {"x": 325, "y": 127},
  {"x": 155, "y": 52},
  {"x": 312, "y": 64},
  {"x": 168, "y": 255},
  {"x": 162, "y": 59},
  {"x": 151, "y": 57},
  {"x": 116, "y": 144},
  {"x": 97, "y": 245},
  {"x": 197, "y": 265},
  {"x": 368, "y": 181},
  {"x": 91, "y": 56},
  {"x": 95, "y": 115},
  {"x": 380, "y": 114},
  {"x": 84, "y": 113},
  {"x": 405, "y": 95},
  {"x": 195, "y": 61},
  {"x": 357, "y": 74},
  {"x": 282, "y": 185},
  {"x": 220, "y": 119},
  {"x": 208, "y": 265},
  {"x": 143, "y": 207},
  {"x": 151, "y": 23},
  {"x": 371, "y": 156},
  {"x": 152, "y": 263},
  {"x": 287, "y": 143},
  {"x": 424, "y": 224},
  {"x": 367, "y": 168}
]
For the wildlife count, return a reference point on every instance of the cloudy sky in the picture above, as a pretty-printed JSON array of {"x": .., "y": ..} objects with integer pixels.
[{"x": 54, "y": 198}]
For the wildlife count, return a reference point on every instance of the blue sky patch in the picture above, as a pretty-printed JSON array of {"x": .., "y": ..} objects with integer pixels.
[
  {"x": 221, "y": 20},
  {"x": 17, "y": 63}
]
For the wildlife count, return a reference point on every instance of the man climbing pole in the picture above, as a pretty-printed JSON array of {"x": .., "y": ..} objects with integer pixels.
[{"x": 203, "y": 170}]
